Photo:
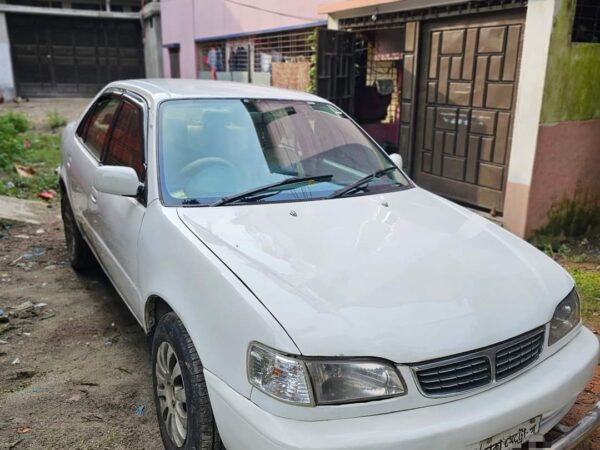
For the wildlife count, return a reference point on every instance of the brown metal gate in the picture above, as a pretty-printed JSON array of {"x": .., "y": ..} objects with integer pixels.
[
  {"x": 62, "y": 56},
  {"x": 467, "y": 92},
  {"x": 335, "y": 68}
]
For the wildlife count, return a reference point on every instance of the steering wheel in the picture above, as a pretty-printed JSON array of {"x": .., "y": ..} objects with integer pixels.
[{"x": 203, "y": 163}]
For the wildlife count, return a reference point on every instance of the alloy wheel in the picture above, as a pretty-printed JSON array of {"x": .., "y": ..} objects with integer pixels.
[{"x": 170, "y": 389}]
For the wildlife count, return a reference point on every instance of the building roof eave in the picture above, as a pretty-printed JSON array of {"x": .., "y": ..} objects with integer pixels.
[
  {"x": 68, "y": 12},
  {"x": 354, "y": 8}
]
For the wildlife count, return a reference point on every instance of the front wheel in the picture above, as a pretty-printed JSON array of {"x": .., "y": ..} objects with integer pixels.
[{"x": 184, "y": 413}]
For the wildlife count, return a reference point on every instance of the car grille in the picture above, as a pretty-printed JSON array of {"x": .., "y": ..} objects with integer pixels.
[
  {"x": 457, "y": 374},
  {"x": 456, "y": 377},
  {"x": 519, "y": 355}
]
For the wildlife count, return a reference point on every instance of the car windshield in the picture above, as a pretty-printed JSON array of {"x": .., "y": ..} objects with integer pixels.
[{"x": 216, "y": 152}]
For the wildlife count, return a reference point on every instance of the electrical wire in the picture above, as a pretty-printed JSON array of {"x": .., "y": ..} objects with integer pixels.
[{"x": 278, "y": 13}]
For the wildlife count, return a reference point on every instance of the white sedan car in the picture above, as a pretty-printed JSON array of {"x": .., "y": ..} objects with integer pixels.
[{"x": 300, "y": 292}]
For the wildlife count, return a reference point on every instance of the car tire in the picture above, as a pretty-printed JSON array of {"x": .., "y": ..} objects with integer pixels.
[
  {"x": 80, "y": 255},
  {"x": 180, "y": 392}
]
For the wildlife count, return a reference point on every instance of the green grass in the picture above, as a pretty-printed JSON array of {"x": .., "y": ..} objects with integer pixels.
[
  {"x": 588, "y": 287},
  {"x": 20, "y": 145},
  {"x": 55, "y": 120}
]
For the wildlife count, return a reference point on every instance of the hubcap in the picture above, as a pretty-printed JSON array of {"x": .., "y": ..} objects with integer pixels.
[{"x": 170, "y": 389}]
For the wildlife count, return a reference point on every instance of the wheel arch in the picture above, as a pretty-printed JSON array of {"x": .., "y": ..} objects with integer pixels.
[
  {"x": 63, "y": 185},
  {"x": 155, "y": 308}
]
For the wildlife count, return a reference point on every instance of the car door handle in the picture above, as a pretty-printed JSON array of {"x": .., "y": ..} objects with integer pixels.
[
  {"x": 94, "y": 195},
  {"x": 69, "y": 162}
]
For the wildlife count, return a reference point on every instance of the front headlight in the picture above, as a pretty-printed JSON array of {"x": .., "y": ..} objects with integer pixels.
[
  {"x": 566, "y": 317},
  {"x": 278, "y": 375},
  {"x": 347, "y": 381},
  {"x": 334, "y": 381}
]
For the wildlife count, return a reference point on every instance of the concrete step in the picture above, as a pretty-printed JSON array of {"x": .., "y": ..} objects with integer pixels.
[
  {"x": 498, "y": 220},
  {"x": 26, "y": 211}
]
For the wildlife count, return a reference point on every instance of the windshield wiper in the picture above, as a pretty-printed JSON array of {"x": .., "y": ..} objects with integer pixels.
[
  {"x": 358, "y": 183},
  {"x": 258, "y": 190}
]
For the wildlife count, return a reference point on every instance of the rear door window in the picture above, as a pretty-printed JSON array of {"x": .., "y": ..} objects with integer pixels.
[
  {"x": 126, "y": 146},
  {"x": 99, "y": 124}
]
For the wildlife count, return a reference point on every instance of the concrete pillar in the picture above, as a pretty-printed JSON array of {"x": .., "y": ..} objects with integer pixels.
[
  {"x": 536, "y": 42},
  {"x": 7, "y": 81},
  {"x": 332, "y": 23},
  {"x": 153, "y": 51}
]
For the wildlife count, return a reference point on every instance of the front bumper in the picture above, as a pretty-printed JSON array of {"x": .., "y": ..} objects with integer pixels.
[
  {"x": 574, "y": 436},
  {"x": 548, "y": 389}
]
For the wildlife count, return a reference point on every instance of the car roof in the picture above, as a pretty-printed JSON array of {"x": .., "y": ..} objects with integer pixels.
[{"x": 160, "y": 88}]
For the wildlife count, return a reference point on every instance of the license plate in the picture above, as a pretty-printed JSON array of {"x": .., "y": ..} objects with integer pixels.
[{"x": 513, "y": 438}]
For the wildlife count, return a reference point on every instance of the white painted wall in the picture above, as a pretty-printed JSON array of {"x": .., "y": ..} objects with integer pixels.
[
  {"x": 7, "y": 83},
  {"x": 538, "y": 28}
]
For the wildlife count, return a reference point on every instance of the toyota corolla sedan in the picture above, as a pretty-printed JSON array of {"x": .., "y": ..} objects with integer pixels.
[{"x": 301, "y": 292}]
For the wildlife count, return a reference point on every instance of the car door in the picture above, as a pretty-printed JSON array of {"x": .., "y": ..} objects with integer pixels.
[
  {"x": 118, "y": 219},
  {"x": 83, "y": 157}
]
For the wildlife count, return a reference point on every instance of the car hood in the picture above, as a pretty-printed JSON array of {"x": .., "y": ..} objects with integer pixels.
[{"x": 406, "y": 276}]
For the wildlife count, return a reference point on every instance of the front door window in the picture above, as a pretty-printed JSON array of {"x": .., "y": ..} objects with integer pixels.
[{"x": 126, "y": 144}]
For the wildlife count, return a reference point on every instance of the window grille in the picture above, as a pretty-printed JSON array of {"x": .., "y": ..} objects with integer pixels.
[
  {"x": 586, "y": 25},
  {"x": 384, "y": 73},
  {"x": 224, "y": 56},
  {"x": 238, "y": 55},
  {"x": 212, "y": 54},
  {"x": 290, "y": 46}
]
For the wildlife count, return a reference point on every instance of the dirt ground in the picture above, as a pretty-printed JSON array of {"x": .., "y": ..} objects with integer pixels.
[
  {"x": 37, "y": 110},
  {"x": 75, "y": 373}
]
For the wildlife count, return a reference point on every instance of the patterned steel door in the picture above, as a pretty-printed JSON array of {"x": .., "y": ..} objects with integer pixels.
[
  {"x": 467, "y": 93},
  {"x": 335, "y": 68}
]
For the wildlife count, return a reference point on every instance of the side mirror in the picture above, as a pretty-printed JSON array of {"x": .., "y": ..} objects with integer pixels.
[
  {"x": 117, "y": 180},
  {"x": 396, "y": 159}
]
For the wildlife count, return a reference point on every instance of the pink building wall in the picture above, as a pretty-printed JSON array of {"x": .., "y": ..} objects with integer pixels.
[
  {"x": 184, "y": 21},
  {"x": 567, "y": 163}
]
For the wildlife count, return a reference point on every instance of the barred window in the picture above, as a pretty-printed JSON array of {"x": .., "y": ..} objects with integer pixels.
[
  {"x": 224, "y": 56},
  {"x": 586, "y": 26},
  {"x": 290, "y": 46},
  {"x": 212, "y": 55},
  {"x": 238, "y": 55}
]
